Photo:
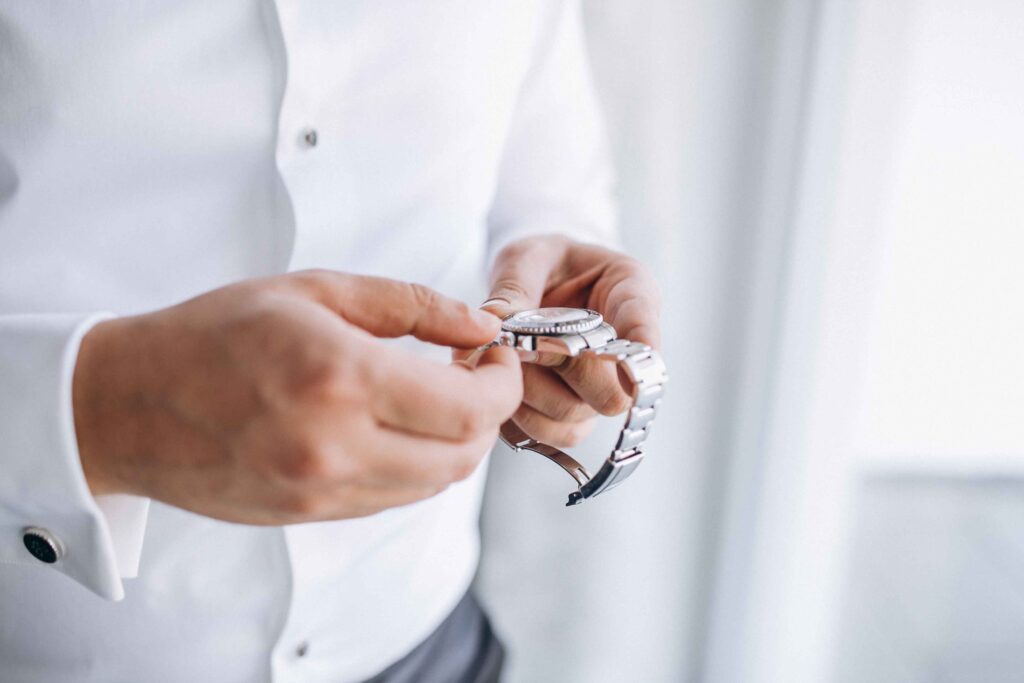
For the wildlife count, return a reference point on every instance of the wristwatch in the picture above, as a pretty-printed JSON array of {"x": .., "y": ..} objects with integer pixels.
[{"x": 575, "y": 332}]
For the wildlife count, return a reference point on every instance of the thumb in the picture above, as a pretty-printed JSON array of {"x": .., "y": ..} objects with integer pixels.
[{"x": 518, "y": 280}]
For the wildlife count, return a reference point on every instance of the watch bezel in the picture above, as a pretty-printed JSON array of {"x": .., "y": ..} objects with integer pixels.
[{"x": 541, "y": 328}]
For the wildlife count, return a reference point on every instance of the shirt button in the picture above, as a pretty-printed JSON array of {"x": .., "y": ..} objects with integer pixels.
[
  {"x": 309, "y": 136},
  {"x": 302, "y": 649},
  {"x": 43, "y": 545}
]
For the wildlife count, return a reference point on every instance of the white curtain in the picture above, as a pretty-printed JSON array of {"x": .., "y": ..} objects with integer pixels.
[{"x": 832, "y": 195}]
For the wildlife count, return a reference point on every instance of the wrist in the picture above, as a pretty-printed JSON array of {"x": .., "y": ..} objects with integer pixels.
[{"x": 97, "y": 396}]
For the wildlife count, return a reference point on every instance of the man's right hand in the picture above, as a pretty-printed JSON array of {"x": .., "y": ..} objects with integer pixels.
[{"x": 271, "y": 401}]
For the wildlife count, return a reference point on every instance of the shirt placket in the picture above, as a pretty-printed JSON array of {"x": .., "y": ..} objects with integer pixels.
[
  {"x": 300, "y": 156},
  {"x": 307, "y": 155}
]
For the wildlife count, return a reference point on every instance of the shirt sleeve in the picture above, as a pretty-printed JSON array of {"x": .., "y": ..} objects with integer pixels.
[
  {"x": 42, "y": 485},
  {"x": 556, "y": 173}
]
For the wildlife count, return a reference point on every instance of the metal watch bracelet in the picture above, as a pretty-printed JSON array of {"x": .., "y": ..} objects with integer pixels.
[{"x": 646, "y": 371}]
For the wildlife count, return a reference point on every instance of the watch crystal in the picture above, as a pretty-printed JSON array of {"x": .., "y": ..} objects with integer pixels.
[{"x": 552, "y": 321}]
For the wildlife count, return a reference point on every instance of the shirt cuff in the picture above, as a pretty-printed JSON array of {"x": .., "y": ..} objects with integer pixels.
[{"x": 99, "y": 540}]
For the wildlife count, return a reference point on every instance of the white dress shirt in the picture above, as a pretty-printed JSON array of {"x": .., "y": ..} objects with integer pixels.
[{"x": 156, "y": 149}]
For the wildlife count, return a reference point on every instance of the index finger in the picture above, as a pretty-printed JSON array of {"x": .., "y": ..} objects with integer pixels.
[
  {"x": 390, "y": 308},
  {"x": 632, "y": 306},
  {"x": 452, "y": 402}
]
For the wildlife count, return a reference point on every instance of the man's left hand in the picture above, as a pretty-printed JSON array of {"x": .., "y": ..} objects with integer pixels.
[{"x": 562, "y": 396}]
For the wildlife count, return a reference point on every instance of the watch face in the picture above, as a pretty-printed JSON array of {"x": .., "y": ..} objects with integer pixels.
[{"x": 552, "y": 321}]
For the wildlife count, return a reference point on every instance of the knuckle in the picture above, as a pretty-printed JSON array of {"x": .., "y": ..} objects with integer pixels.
[
  {"x": 517, "y": 249},
  {"x": 574, "y": 368},
  {"x": 574, "y": 434},
  {"x": 568, "y": 411},
  {"x": 471, "y": 425},
  {"x": 654, "y": 296},
  {"x": 464, "y": 312},
  {"x": 612, "y": 402},
  {"x": 424, "y": 297},
  {"x": 319, "y": 377},
  {"x": 632, "y": 266},
  {"x": 533, "y": 244},
  {"x": 511, "y": 394},
  {"x": 643, "y": 279},
  {"x": 467, "y": 457},
  {"x": 510, "y": 289},
  {"x": 625, "y": 268},
  {"x": 572, "y": 437},
  {"x": 307, "y": 461},
  {"x": 311, "y": 278}
]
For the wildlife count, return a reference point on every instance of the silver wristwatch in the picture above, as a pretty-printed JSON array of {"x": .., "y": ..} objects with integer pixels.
[{"x": 581, "y": 332}]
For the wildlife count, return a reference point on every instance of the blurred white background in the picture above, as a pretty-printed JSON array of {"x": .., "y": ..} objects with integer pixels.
[{"x": 832, "y": 195}]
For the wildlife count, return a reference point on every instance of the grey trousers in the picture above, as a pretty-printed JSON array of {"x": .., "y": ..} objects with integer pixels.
[{"x": 463, "y": 649}]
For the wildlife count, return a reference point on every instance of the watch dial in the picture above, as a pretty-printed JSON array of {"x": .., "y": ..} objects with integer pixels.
[
  {"x": 552, "y": 321},
  {"x": 553, "y": 315}
]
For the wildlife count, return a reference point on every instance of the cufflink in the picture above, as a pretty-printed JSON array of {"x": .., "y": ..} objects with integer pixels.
[{"x": 43, "y": 545}]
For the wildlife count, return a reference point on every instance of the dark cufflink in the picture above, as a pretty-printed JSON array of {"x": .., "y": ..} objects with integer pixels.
[{"x": 43, "y": 545}]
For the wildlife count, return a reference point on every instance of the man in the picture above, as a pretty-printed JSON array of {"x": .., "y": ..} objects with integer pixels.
[{"x": 210, "y": 216}]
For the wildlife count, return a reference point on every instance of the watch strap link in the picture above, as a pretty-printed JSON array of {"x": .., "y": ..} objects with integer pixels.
[
  {"x": 646, "y": 370},
  {"x": 518, "y": 440}
]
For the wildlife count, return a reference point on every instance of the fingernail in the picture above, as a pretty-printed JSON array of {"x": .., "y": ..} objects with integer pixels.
[
  {"x": 529, "y": 356},
  {"x": 483, "y": 317},
  {"x": 494, "y": 301}
]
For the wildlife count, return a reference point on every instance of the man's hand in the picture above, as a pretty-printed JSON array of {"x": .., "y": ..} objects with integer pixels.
[
  {"x": 271, "y": 401},
  {"x": 562, "y": 396}
]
